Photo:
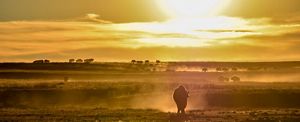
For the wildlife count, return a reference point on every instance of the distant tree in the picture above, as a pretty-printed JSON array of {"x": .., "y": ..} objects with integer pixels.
[
  {"x": 139, "y": 62},
  {"x": 133, "y": 61},
  {"x": 235, "y": 79},
  {"x": 46, "y": 61},
  {"x": 79, "y": 61},
  {"x": 147, "y": 61},
  {"x": 71, "y": 60},
  {"x": 158, "y": 62},
  {"x": 38, "y": 61},
  {"x": 88, "y": 61},
  {"x": 204, "y": 69}
]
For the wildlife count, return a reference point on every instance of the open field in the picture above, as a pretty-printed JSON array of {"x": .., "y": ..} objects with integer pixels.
[
  {"x": 91, "y": 101},
  {"x": 115, "y": 92}
]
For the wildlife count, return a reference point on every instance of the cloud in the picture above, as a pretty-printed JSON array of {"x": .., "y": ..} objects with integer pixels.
[
  {"x": 73, "y": 31},
  {"x": 38, "y": 37},
  {"x": 287, "y": 38},
  {"x": 116, "y": 11},
  {"x": 280, "y": 11},
  {"x": 60, "y": 40},
  {"x": 96, "y": 18}
]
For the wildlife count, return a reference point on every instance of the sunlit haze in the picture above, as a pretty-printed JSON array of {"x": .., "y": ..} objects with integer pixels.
[{"x": 192, "y": 8}]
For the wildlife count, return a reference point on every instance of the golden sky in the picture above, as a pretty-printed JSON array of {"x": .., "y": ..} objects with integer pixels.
[{"x": 177, "y": 30}]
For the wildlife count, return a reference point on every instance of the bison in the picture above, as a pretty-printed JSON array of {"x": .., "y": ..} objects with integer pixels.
[{"x": 180, "y": 97}]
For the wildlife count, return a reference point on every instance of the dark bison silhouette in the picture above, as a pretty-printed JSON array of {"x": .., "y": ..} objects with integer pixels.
[{"x": 180, "y": 97}]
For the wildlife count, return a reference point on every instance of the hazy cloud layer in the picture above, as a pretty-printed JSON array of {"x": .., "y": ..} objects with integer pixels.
[
  {"x": 119, "y": 11},
  {"x": 91, "y": 37}
]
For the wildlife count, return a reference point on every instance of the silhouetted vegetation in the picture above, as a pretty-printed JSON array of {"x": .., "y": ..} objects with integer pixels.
[{"x": 41, "y": 61}]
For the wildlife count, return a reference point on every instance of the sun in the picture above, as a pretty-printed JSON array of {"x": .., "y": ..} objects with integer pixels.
[{"x": 192, "y": 8}]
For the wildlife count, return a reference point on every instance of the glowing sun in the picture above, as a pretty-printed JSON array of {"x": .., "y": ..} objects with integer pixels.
[{"x": 192, "y": 8}]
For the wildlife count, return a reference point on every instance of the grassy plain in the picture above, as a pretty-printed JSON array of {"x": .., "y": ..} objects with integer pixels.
[{"x": 133, "y": 92}]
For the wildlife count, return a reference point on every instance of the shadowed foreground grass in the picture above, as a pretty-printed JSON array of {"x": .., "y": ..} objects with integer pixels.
[
  {"x": 80, "y": 114},
  {"x": 146, "y": 115}
]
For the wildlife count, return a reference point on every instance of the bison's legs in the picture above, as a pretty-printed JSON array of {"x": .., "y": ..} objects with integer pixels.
[
  {"x": 182, "y": 111},
  {"x": 178, "y": 109}
]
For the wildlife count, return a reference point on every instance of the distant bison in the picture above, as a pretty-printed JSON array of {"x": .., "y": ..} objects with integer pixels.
[
  {"x": 139, "y": 62},
  {"x": 157, "y": 61},
  {"x": 88, "y": 60},
  {"x": 133, "y": 61},
  {"x": 204, "y": 69},
  {"x": 46, "y": 61},
  {"x": 147, "y": 61},
  {"x": 180, "y": 97}
]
